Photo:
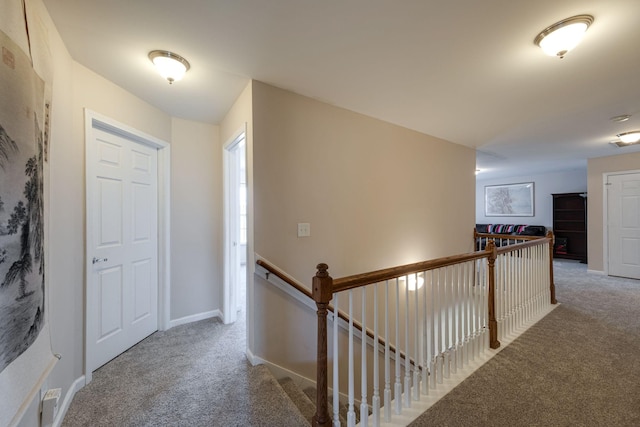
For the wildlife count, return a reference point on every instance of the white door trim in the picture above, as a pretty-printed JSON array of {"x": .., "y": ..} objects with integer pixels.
[
  {"x": 93, "y": 121},
  {"x": 229, "y": 300},
  {"x": 605, "y": 216}
]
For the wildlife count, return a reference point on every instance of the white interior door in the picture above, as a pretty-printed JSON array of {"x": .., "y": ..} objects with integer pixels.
[
  {"x": 623, "y": 217},
  {"x": 122, "y": 245}
]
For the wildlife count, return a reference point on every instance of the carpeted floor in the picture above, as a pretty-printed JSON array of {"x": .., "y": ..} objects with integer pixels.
[
  {"x": 192, "y": 375},
  {"x": 579, "y": 366}
]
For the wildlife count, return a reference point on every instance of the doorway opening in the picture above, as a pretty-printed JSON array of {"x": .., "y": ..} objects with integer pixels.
[{"x": 235, "y": 277}]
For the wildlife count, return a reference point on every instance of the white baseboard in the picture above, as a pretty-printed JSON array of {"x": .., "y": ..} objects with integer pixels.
[
  {"x": 253, "y": 359},
  {"x": 68, "y": 398},
  {"x": 600, "y": 272},
  {"x": 195, "y": 318},
  {"x": 302, "y": 382},
  {"x": 280, "y": 372}
]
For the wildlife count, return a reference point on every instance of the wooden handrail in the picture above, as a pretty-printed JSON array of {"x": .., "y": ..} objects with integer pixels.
[
  {"x": 285, "y": 278},
  {"x": 507, "y": 236},
  {"x": 523, "y": 245},
  {"x": 358, "y": 280}
]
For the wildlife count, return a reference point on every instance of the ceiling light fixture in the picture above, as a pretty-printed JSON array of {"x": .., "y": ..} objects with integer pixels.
[
  {"x": 621, "y": 118},
  {"x": 170, "y": 65},
  {"x": 630, "y": 137},
  {"x": 561, "y": 37}
]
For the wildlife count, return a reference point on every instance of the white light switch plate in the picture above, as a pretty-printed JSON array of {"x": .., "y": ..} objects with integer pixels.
[{"x": 304, "y": 229}]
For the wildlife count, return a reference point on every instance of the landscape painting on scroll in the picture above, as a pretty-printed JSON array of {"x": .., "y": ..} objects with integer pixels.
[{"x": 23, "y": 118}]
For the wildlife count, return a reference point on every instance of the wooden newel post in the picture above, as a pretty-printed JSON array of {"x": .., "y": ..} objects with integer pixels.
[
  {"x": 493, "y": 324},
  {"x": 322, "y": 293},
  {"x": 552, "y": 285}
]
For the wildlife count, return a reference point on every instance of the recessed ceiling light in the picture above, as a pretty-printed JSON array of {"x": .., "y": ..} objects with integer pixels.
[{"x": 561, "y": 37}]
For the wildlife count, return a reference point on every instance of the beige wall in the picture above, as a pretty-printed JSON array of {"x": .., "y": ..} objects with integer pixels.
[
  {"x": 196, "y": 215},
  {"x": 94, "y": 92},
  {"x": 595, "y": 202},
  {"x": 376, "y": 195}
]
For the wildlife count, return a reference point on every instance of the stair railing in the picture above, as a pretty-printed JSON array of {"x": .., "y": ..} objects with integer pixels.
[{"x": 440, "y": 316}]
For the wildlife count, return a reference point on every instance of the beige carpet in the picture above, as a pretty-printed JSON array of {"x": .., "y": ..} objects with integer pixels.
[{"x": 192, "y": 375}]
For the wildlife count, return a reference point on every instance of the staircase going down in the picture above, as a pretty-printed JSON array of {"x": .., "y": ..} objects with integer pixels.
[{"x": 305, "y": 400}]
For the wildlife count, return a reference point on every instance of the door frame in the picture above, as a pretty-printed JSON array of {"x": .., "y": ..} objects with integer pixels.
[
  {"x": 93, "y": 121},
  {"x": 230, "y": 295},
  {"x": 605, "y": 215}
]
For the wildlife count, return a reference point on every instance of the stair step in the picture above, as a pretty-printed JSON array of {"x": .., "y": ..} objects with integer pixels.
[
  {"x": 299, "y": 398},
  {"x": 274, "y": 397},
  {"x": 342, "y": 411}
]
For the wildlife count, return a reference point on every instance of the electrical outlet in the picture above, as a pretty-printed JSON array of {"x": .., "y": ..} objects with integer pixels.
[
  {"x": 50, "y": 406},
  {"x": 304, "y": 229}
]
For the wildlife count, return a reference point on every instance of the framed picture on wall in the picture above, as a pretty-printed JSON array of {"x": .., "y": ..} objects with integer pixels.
[{"x": 509, "y": 199}]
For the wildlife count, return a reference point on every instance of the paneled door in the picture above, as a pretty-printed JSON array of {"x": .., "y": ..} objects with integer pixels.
[
  {"x": 623, "y": 218},
  {"x": 122, "y": 245}
]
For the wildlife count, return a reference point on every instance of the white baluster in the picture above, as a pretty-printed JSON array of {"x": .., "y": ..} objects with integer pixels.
[
  {"x": 432, "y": 331},
  {"x": 446, "y": 345},
  {"x": 518, "y": 289},
  {"x": 375, "y": 400},
  {"x": 484, "y": 307},
  {"x": 425, "y": 340},
  {"x": 336, "y": 356},
  {"x": 509, "y": 296},
  {"x": 477, "y": 314},
  {"x": 440, "y": 329},
  {"x": 525, "y": 286},
  {"x": 387, "y": 357},
  {"x": 471, "y": 282},
  {"x": 398, "y": 384},
  {"x": 407, "y": 361},
  {"x": 500, "y": 293},
  {"x": 477, "y": 273},
  {"x": 457, "y": 324},
  {"x": 364, "y": 408},
  {"x": 351, "y": 414},
  {"x": 416, "y": 343}
]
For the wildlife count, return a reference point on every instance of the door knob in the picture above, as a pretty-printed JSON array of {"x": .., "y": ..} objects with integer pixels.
[{"x": 97, "y": 260}]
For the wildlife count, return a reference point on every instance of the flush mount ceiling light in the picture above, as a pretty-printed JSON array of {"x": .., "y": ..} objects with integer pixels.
[
  {"x": 630, "y": 137},
  {"x": 621, "y": 118},
  {"x": 170, "y": 65},
  {"x": 561, "y": 37}
]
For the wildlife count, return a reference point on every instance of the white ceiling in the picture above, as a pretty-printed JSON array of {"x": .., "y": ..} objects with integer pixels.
[{"x": 463, "y": 70}]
